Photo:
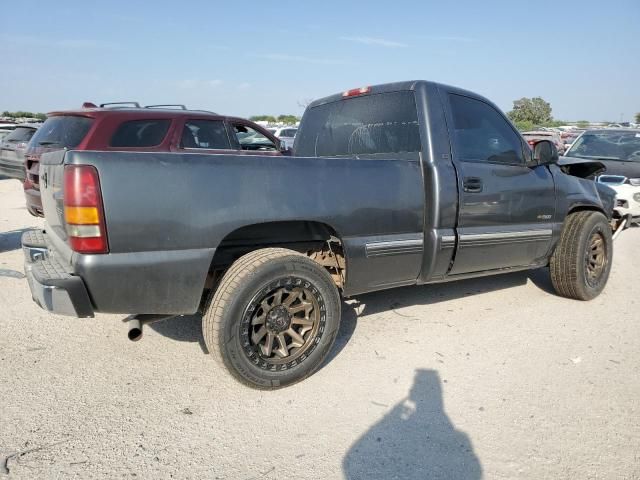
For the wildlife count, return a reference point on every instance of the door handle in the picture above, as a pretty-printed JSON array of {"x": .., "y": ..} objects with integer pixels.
[{"x": 472, "y": 185}]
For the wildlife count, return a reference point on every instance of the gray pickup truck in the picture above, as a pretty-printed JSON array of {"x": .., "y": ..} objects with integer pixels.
[{"x": 399, "y": 184}]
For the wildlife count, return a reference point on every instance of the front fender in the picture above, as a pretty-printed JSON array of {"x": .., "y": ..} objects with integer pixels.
[{"x": 575, "y": 193}]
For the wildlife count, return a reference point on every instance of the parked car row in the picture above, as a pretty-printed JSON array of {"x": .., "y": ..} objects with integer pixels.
[
  {"x": 130, "y": 127},
  {"x": 618, "y": 149},
  {"x": 535, "y": 136}
]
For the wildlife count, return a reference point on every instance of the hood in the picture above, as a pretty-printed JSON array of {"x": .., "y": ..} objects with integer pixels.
[
  {"x": 626, "y": 169},
  {"x": 581, "y": 167},
  {"x": 613, "y": 167}
]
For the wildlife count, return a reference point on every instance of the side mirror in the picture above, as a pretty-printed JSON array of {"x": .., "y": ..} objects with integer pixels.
[{"x": 545, "y": 153}]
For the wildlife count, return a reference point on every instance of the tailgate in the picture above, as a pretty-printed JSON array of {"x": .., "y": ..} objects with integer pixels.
[{"x": 51, "y": 189}]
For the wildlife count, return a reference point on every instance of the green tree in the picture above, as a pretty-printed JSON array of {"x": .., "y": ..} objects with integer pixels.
[
  {"x": 535, "y": 110},
  {"x": 288, "y": 119},
  {"x": 524, "y": 126},
  {"x": 22, "y": 114},
  {"x": 638, "y": 117},
  {"x": 555, "y": 123},
  {"x": 582, "y": 124},
  {"x": 263, "y": 118}
]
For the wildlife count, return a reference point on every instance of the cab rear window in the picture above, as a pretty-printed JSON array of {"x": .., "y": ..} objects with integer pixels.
[
  {"x": 63, "y": 131},
  {"x": 373, "y": 124},
  {"x": 140, "y": 133}
]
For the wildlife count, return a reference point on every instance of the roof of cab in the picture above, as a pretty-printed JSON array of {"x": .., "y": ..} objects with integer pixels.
[
  {"x": 382, "y": 88},
  {"x": 399, "y": 86}
]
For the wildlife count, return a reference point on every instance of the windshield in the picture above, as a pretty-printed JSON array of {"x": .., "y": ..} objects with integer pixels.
[
  {"x": 64, "y": 131},
  {"x": 622, "y": 146}
]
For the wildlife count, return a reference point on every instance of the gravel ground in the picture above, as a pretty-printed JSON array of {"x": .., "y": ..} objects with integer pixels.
[{"x": 488, "y": 378}]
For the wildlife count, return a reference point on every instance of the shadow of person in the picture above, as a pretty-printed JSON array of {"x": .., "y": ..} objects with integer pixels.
[{"x": 415, "y": 440}]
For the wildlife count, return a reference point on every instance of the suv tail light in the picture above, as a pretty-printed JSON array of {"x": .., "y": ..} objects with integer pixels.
[{"x": 83, "y": 212}]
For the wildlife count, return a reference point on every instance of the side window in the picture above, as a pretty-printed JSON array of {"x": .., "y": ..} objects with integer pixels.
[
  {"x": 140, "y": 133},
  {"x": 209, "y": 134},
  {"x": 482, "y": 134},
  {"x": 250, "y": 139}
]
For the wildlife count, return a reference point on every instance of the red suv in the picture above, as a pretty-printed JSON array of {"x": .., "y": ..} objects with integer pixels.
[{"x": 156, "y": 128}]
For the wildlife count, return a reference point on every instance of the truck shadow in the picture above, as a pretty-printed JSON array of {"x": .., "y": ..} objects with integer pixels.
[
  {"x": 11, "y": 240},
  {"x": 189, "y": 327},
  {"x": 390, "y": 300},
  {"x": 415, "y": 440}
]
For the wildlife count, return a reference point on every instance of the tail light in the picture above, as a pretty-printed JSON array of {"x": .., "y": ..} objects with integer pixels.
[
  {"x": 83, "y": 212},
  {"x": 32, "y": 164},
  {"x": 354, "y": 92}
]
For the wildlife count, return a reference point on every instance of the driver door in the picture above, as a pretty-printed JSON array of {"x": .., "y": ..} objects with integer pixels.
[{"x": 506, "y": 208}]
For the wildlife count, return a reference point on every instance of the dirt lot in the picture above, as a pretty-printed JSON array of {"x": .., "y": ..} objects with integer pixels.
[{"x": 490, "y": 378}]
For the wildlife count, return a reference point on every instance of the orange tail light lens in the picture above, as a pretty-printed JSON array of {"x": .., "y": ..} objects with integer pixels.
[{"x": 83, "y": 212}]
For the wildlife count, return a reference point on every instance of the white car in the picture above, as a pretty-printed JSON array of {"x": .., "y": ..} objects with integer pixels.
[
  {"x": 627, "y": 196},
  {"x": 286, "y": 134}
]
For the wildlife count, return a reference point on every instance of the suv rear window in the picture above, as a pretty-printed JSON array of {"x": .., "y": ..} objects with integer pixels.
[
  {"x": 383, "y": 123},
  {"x": 20, "y": 134},
  {"x": 64, "y": 131},
  {"x": 140, "y": 133}
]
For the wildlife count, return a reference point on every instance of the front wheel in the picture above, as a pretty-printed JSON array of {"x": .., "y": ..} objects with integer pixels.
[
  {"x": 273, "y": 318},
  {"x": 581, "y": 263}
]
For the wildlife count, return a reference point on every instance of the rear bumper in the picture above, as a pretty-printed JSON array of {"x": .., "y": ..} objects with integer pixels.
[
  {"x": 53, "y": 288},
  {"x": 166, "y": 282},
  {"x": 12, "y": 169}
]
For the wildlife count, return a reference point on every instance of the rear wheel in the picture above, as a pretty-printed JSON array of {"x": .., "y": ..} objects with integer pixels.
[
  {"x": 273, "y": 318},
  {"x": 581, "y": 263}
]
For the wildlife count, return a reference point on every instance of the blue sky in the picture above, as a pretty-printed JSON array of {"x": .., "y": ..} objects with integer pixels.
[{"x": 253, "y": 57}]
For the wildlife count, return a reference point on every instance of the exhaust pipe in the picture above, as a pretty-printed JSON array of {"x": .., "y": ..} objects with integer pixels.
[
  {"x": 135, "y": 330},
  {"x": 136, "y": 322}
]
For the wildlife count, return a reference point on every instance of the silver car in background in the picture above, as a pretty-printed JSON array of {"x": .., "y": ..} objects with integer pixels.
[
  {"x": 12, "y": 149},
  {"x": 285, "y": 134}
]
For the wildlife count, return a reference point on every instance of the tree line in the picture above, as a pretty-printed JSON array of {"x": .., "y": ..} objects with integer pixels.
[
  {"x": 286, "y": 119},
  {"x": 21, "y": 114}
]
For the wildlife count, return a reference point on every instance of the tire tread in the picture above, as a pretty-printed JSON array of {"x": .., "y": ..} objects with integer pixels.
[
  {"x": 567, "y": 255},
  {"x": 217, "y": 303}
]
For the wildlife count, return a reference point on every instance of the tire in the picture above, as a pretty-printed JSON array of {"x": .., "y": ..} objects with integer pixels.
[
  {"x": 581, "y": 262},
  {"x": 266, "y": 297}
]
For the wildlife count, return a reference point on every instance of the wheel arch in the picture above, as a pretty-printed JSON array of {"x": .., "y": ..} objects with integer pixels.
[
  {"x": 583, "y": 207},
  {"x": 318, "y": 240}
]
